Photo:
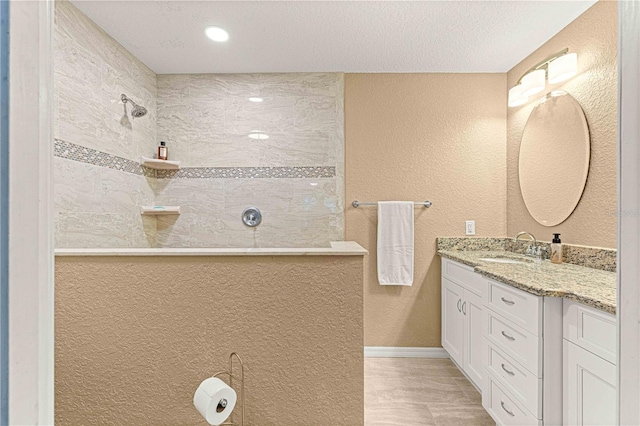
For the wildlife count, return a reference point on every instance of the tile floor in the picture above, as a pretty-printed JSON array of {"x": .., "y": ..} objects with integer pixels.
[{"x": 419, "y": 391}]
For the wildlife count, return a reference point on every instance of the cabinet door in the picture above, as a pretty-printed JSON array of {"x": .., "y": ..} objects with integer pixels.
[
  {"x": 589, "y": 388},
  {"x": 452, "y": 320},
  {"x": 474, "y": 342}
]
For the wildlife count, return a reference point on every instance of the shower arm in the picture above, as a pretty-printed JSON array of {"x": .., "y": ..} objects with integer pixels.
[{"x": 126, "y": 99}]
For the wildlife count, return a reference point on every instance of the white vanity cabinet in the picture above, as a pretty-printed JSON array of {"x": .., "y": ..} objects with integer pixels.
[
  {"x": 537, "y": 360},
  {"x": 589, "y": 370},
  {"x": 523, "y": 357},
  {"x": 463, "y": 293}
]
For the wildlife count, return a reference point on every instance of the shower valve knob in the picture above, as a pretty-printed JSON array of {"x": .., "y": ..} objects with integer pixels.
[{"x": 251, "y": 217}]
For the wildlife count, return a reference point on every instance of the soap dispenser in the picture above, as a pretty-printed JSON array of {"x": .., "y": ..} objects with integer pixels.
[{"x": 556, "y": 249}]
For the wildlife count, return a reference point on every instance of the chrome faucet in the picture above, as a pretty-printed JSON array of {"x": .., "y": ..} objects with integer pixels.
[
  {"x": 534, "y": 251},
  {"x": 520, "y": 234}
]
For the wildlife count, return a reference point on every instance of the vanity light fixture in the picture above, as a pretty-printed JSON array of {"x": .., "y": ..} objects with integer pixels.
[
  {"x": 533, "y": 83},
  {"x": 516, "y": 98},
  {"x": 216, "y": 34},
  {"x": 563, "y": 68},
  {"x": 556, "y": 68}
]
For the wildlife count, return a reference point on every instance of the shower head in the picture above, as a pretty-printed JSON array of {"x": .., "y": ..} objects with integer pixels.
[{"x": 137, "y": 111}]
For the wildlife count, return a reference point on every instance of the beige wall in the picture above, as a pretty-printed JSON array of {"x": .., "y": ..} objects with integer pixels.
[
  {"x": 136, "y": 335},
  {"x": 414, "y": 137},
  {"x": 594, "y": 37}
]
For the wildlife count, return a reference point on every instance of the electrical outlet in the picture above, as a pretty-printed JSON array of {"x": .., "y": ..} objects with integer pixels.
[{"x": 470, "y": 227}]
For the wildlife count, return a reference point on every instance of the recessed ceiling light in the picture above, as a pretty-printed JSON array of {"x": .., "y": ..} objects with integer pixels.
[
  {"x": 257, "y": 135},
  {"x": 216, "y": 34},
  {"x": 256, "y": 99}
]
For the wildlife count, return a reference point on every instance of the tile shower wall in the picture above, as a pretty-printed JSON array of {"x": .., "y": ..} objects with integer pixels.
[
  {"x": 99, "y": 205},
  {"x": 295, "y": 176},
  {"x": 206, "y": 120}
]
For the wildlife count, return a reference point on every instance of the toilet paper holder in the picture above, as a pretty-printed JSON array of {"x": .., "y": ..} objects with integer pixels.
[{"x": 231, "y": 376}]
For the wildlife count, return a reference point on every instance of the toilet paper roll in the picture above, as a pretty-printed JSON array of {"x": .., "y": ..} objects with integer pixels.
[{"x": 214, "y": 399}]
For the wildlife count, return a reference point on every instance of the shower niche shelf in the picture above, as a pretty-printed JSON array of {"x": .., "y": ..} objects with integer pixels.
[
  {"x": 159, "y": 210},
  {"x": 153, "y": 163}
]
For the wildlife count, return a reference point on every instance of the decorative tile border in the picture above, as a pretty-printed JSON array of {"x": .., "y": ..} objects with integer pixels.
[
  {"x": 86, "y": 155},
  {"x": 82, "y": 154},
  {"x": 247, "y": 172}
]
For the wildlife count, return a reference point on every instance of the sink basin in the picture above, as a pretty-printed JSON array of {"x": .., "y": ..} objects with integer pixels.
[{"x": 503, "y": 260}]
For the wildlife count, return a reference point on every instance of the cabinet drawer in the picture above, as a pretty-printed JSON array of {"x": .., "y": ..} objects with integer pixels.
[
  {"x": 590, "y": 329},
  {"x": 503, "y": 408},
  {"x": 521, "y": 384},
  {"x": 522, "y": 308},
  {"x": 465, "y": 276},
  {"x": 522, "y": 346}
]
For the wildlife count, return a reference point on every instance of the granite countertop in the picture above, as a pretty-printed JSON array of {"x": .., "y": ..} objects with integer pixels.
[{"x": 592, "y": 287}]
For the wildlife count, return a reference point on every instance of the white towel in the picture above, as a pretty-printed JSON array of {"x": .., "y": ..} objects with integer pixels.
[{"x": 395, "y": 243}]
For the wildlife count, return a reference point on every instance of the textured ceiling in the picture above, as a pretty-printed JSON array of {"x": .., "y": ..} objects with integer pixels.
[{"x": 348, "y": 36}]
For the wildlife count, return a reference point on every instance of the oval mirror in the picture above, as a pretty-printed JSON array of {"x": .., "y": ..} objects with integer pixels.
[{"x": 554, "y": 158}]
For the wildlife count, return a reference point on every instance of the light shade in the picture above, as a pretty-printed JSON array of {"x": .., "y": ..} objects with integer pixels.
[
  {"x": 563, "y": 68},
  {"x": 533, "y": 82},
  {"x": 516, "y": 97}
]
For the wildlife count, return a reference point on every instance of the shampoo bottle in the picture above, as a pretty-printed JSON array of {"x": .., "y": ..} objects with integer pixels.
[
  {"x": 556, "y": 249},
  {"x": 163, "y": 151}
]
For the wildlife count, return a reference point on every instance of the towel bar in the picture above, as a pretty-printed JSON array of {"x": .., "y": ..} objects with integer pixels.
[{"x": 357, "y": 203}]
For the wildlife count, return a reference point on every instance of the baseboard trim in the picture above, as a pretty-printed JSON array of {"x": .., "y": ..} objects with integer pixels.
[{"x": 403, "y": 352}]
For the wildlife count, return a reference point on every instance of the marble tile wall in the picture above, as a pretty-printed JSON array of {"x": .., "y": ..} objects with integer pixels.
[
  {"x": 98, "y": 205},
  {"x": 296, "y": 176},
  {"x": 296, "y": 212},
  {"x": 91, "y": 71},
  {"x": 206, "y": 119},
  {"x": 110, "y": 189}
]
